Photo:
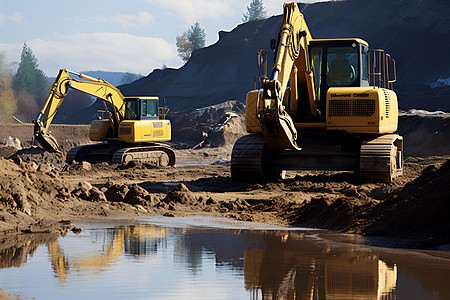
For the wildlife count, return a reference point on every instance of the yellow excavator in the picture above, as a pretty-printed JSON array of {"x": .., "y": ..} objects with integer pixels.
[
  {"x": 328, "y": 104},
  {"x": 130, "y": 128}
]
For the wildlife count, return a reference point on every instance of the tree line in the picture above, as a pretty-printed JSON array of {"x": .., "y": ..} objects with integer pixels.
[{"x": 22, "y": 91}]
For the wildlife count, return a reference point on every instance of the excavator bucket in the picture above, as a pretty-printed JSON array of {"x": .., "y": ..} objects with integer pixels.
[{"x": 46, "y": 140}]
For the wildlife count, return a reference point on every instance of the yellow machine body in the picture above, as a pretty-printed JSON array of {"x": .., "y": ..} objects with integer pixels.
[
  {"x": 353, "y": 109},
  {"x": 328, "y": 104},
  {"x": 98, "y": 130},
  {"x": 150, "y": 127},
  {"x": 144, "y": 131},
  {"x": 131, "y": 126},
  {"x": 362, "y": 110}
]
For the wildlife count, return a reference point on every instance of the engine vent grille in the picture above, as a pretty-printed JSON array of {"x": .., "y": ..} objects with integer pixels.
[
  {"x": 157, "y": 124},
  {"x": 351, "y": 108},
  {"x": 125, "y": 131},
  {"x": 387, "y": 100},
  {"x": 158, "y": 133}
]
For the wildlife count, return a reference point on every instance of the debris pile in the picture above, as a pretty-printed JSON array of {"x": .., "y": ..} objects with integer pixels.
[
  {"x": 26, "y": 189},
  {"x": 228, "y": 129}
]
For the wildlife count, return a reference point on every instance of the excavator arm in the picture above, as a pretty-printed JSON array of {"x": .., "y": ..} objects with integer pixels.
[
  {"x": 99, "y": 88},
  {"x": 292, "y": 63}
]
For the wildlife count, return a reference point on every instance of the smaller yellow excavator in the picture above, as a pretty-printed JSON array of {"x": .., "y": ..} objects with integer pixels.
[{"x": 130, "y": 128}]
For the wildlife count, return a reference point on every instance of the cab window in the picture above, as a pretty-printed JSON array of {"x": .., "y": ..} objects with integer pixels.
[
  {"x": 149, "y": 109},
  {"x": 364, "y": 63},
  {"x": 132, "y": 110},
  {"x": 342, "y": 66},
  {"x": 316, "y": 62}
]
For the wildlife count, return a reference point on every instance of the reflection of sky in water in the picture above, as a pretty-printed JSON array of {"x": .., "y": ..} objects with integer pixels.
[{"x": 166, "y": 258}]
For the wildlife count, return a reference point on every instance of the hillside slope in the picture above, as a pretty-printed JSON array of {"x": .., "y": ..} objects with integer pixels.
[
  {"x": 220, "y": 72},
  {"x": 415, "y": 32}
]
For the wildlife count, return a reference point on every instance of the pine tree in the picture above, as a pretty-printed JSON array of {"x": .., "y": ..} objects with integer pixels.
[
  {"x": 197, "y": 36},
  {"x": 190, "y": 40},
  {"x": 29, "y": 79},
  {"x": 255, "y": 11}
]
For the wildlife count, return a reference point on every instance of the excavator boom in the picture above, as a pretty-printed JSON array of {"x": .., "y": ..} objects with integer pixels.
[
  {"x": 277, "y": 125},
  {"x": 95, "y": 87},
  {"x": 54, "y": 101}
]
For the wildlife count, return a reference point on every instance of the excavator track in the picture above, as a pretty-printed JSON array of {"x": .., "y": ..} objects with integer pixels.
[
  {"x": 79, "y": 153},
  {"x": 247, "y": 159},
  {"x": 160, "y": 153},
  {"x": 250, "y": 161},
  {"x": 381, "y": 159}
]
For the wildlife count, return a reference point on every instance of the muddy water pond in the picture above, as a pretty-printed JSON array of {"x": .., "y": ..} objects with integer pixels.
[{"x": 205, "y": 258}]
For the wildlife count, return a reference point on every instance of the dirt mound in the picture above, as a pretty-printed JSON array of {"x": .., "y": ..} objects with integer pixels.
[
  {"x": 420, "y": 210},
  {"x": 323, "y": 212},
  {"x": 425, "y": 133},
  {"x": 180, "y": 194},
  {"x": 36, "y": 197},
  {"x": 417, "y": 211},
  {"x": 133, "y": 194},
  {"x": 30, "y": 192},
  {"x": 40, "y": 156},
  {"x": 224, "y": 122},
  {"x": 226, "y": 131},
  {"x": 26, "y": 188}
]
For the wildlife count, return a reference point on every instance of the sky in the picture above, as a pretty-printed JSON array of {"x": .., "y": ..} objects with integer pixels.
[{"x": 134, "y": 36}]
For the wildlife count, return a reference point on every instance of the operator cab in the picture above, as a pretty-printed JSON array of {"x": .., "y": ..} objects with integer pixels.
[
  {"x": 338, "y": 63},
  {"x": 142, "y": 108}
]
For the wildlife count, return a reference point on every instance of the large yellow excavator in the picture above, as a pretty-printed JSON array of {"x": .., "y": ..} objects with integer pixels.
[
  {"x": 328, "y": 105},
  {"x": 130, "y": 128}
]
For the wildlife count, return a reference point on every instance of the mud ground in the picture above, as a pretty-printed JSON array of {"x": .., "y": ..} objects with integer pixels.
[{"x": 40, "y": 194}]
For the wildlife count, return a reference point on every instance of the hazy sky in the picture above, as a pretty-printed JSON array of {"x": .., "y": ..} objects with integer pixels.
[{"x": 128, "y": 36}]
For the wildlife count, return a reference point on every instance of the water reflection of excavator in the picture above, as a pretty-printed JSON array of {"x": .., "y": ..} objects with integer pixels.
[
  {"x": 133, "y": 129},
  {"x": 328, "y": 105},
  {"x": 306, "y": 271},
  {"x": 132, "y": 240}
]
